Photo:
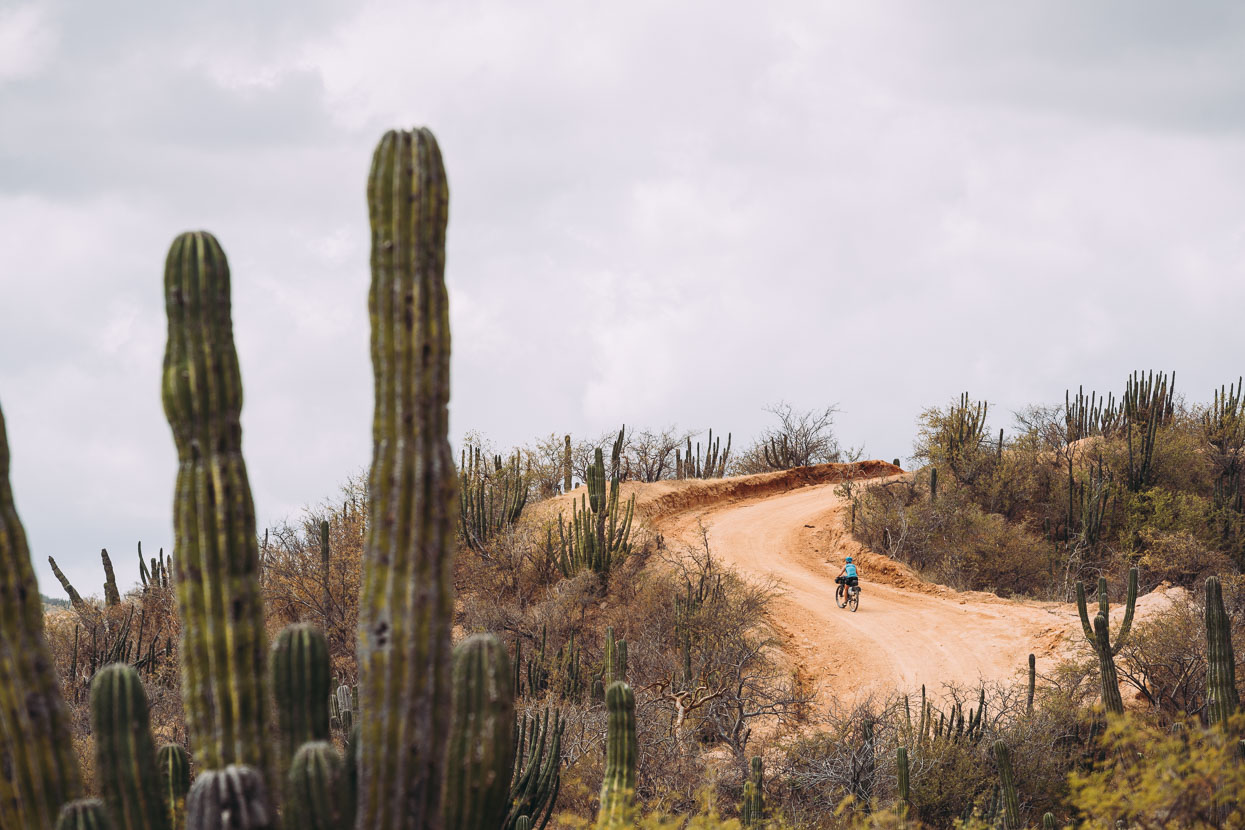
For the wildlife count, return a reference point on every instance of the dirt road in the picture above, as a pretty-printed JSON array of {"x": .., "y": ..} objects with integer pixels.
[{"x": 906, "y": 632}]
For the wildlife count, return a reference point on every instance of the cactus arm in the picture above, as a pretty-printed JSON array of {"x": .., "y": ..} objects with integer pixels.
[
  {"x": 406, "y": 598},
  {"x": 218, "y": 592},
  {"x": 75, "y": 598},
  {"x": 38, "y": 767},
  {"x": 1130, "y": 606},
  {"x": 111, "y": 595},
  {"x": 1083, "y": 611}
]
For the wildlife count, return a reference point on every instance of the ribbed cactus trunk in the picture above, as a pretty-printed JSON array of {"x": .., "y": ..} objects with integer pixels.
[
  {"x": 125, "y": 757},
  {"x": 406, "y": 600},
  {"x": 481, "y": 752},
  {"x": 618, "y": 786},
  {"x": 566, "y": 467},
  {"x": 1222, "y": 698},
  {"x": 174, "y": 766},
  {"x": 317, "y": 790},
  {"x": 1007, "y": 787},
  {"x": 38, "y": 766},
  {"x": 300, "y": 685},
  {"x": 1099, "y": 637},
  {"x": 218, "y": 593}
]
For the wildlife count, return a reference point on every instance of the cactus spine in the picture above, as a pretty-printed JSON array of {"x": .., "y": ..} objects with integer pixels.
[
  {"x": 233, "y": 798},
  {"x": 317, "y": 789},
  {"x": 174, "y": 766},
  {"x": 300, "y": 683},
  {"x": 125, "y": 758},
  {"x": 1221, "y": 695},
  {"x": 1007, "y": 784},
  {"x": 84, "y": 814},
  {"x": 1099, "y": 637},
  {"x": 618, "y": 787},
  {"x": 481, "y": 745},
  {"x": 38, "y": 767},
  {"x": 406, "y": 601},
  {"x": 218, "y": 592}
]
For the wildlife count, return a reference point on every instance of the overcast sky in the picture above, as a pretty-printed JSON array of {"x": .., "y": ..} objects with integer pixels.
[{"x": 660, "y": 213}]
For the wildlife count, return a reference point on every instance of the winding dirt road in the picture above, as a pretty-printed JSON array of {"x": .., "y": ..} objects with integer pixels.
[{"x": 906, "y": 633}]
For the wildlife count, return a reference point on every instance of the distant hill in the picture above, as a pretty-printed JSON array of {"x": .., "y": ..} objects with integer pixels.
[{"x": 53, "y": 602}]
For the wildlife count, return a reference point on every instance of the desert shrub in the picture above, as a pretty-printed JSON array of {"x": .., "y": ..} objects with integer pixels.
[
  {"x": 1180, "y": 558},
  {"x": 1154, "y": 777},
  {"x": 800, "y": 438}
]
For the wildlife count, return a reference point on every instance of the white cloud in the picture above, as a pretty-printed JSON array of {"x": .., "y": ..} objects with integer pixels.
[{"x": 27, "y": 41}]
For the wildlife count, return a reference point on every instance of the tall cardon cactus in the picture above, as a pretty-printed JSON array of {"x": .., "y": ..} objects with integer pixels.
[
  {"x": 218, "y": 593},
  {"x": 406, "y": 600},
  {"x": 1099, "y": 637},
  {"x": 38, "y": 766}
]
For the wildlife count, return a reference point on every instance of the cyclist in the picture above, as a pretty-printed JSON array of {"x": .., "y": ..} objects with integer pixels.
[{"x": 848, "y": 576}]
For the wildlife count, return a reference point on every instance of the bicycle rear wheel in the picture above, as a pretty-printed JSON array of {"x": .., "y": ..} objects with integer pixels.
[{"x": 853, "y": 599}]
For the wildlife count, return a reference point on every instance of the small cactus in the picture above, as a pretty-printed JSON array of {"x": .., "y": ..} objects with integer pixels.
[
  {"x": 174, "y": 765},
  {"x": 317, "y": 790},
  {"x": 300, "y": 682},
  {"x": 901, "y": 774},
  {"x": 233, "y": 798},
  {"x": 753, "y": 812},
  {"x": 125, "y": 759},
  {"x": 84, "y": 814},
  {"x": 618, "y": 787}
]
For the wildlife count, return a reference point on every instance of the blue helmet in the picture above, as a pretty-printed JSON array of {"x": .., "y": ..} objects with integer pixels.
[{"x": 849, "y": 559}]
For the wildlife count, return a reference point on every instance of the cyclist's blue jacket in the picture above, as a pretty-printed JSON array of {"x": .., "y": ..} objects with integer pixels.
[{"x": 851, "y": 570}]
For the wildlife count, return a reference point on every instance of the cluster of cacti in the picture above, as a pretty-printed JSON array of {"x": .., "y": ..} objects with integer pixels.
[
  {"x": 752, "y": 811},
  {"x": 343, "y": 703},
  {"x": 936, "y": 725},
  {"x": 1084, "y": 417},
  {"x": 1093, "y": 497},
  {"x": 779, "y": 454},
  {"x": 570, "y": 670},
  {"x": 112, "y": 595},
  {"x": 157, "y": 574},
  {"x": 1099, "y": 636},
  {"x": 1222, "y": 697},
  {"x": 422, "y": 759},
  {"x": 598, "y": 537},
  {"x": 537, "y": 775},
  {"x": 711, "y": 465},
  {"x": 491, "y": 500},
  {"x": 1147, "y": 405}
]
